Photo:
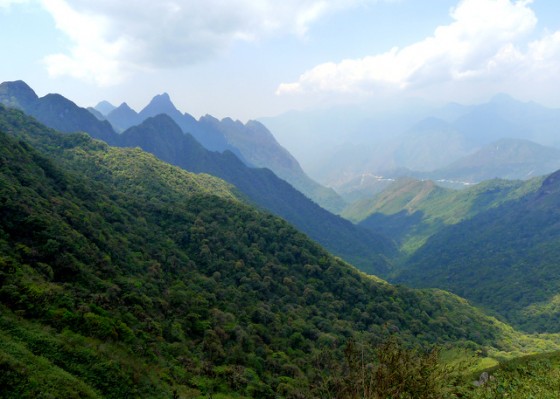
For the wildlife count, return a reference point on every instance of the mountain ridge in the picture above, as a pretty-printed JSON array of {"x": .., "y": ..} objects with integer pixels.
[
  {"x": 263, "y": 188},
  {"x": 369, "y": 251},
  {"x": 251, "y": 142}
]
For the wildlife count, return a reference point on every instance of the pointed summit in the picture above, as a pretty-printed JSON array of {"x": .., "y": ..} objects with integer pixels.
[
  {"x": 17, "y": 94},
  {"x": 123, "y": 117},
  {"x": 105, "y": 107},
  {"x": 161, "y": 104}
]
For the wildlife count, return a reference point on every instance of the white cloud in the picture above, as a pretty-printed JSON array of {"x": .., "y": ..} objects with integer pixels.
[
  {"x": 480, "y": 41},
  {"x": 112, "y": 38},
  {"x": 91, "y": 57}
]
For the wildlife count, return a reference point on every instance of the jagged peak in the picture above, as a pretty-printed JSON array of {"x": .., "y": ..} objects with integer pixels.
[
  {"x": 160, "y": 103},
  {"x": 256, "y": 124},
  {"x": 209, "y": 118},
  {"x": 231, "y": 122},
  {"x": 125, "y": 106},
  {"x": 162, "y": 98}
]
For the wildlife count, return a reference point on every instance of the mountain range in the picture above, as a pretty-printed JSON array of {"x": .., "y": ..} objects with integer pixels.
[
  {"x": 125, "y": 276},
  {"x": 164, "y": 137},
  {"x": 250, "y": 142},
  {"x": 506, "y": 158},
  {"x": 377, "y": 145}
]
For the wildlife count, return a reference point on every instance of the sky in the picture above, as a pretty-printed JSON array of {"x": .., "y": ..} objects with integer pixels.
[{"x": 253, "y": 58}]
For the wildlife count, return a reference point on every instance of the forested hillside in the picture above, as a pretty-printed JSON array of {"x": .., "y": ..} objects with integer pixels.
[
  {"x": 123, "y": 276},
  {"x": 493, "y": 243},
  {"x": 162, "y": 136},
  {"x": 410, "y": 211},
  {"x": 505, "y": 258}
]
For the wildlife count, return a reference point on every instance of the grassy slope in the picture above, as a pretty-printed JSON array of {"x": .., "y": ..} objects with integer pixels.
[{"x": 410, "y": 211}]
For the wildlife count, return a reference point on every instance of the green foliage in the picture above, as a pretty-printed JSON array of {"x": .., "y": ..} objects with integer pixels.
[
  {"x": 388, "y": 370},
  {"x": 411, "y": 211},
  {"x": 163, "y": 138},
  {"x": 505, "y": 259}
]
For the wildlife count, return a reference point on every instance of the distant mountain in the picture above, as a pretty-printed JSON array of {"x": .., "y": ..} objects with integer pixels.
[
  {"x": 123, "y": 117},
  {"x": 504, "y": 258},
  {"x": 259, "y": 148},
  {"x": 17, "y": 95},
  {"x": 414, "y": 153},
  {"x": 250, "y": 142},
  {"x": 316, "y": 136},
  {"x": 96, "y": 113},
  {"x": 201, "y": 130},
  {"x": 420, "y": 147},
  {"x": 161, "y": 104},
  {"x": 505, "y": 117},
  {"x": 104, "y": 107},
  {"x": 421, "y": 139},
  {"x": 55, "y": 111},
  {"x": 505, "y": 158}
]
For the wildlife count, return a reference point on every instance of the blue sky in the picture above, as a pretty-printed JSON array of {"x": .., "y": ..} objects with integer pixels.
[{"x": 254, "y": 58}]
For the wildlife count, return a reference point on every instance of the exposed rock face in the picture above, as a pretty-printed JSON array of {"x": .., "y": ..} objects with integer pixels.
[{"x": 483, "y": 379}]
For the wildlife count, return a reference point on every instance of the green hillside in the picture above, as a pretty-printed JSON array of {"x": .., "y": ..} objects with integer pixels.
[
  {"x": 505, "y": 259},
  {"x": 163, "y": 133},
  {"x": 494, "y": 243},
  {"x": 410, "y": 211},
  {"x": 162, "y": 137},
  {"x": 122, "y": 276}
]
